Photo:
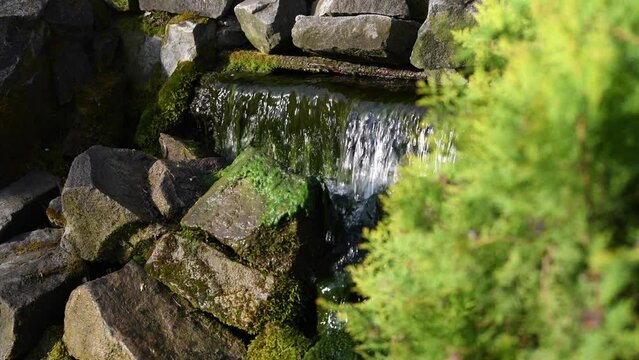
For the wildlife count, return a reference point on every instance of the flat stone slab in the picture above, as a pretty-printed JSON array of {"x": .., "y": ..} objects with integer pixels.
[
  {"x": 23, "y": 203},
  {"x": 392, "y": 8},
  {"x": 210, "y": 8},
  {"x": 36, "y": 277},
  {"x": 234, "y": 293},
  {"x": 268, "y": 23},
  {"x": 105, "y": 199},
  {"x": 128, "y": 315},
  {"x": 369, "y": 38}
]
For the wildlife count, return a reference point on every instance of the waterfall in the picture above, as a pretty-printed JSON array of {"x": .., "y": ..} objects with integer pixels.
[{"x": 316, "y": 128}]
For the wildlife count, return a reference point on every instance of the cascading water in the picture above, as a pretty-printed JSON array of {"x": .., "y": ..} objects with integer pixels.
[{"x": 350, "y": 137}]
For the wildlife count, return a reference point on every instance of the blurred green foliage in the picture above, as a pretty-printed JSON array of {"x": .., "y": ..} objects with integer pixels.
[{"x": 528, "y": 247}]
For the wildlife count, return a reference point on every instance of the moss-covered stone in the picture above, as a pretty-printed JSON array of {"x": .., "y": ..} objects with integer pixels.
[
  {"x": 171, "y": 108},
  {"x": 336, "y": 345},
  {"x": 278, "y": 342},
  {"x": 211, "y": 281},
  {"x": 258, "y": 210}
]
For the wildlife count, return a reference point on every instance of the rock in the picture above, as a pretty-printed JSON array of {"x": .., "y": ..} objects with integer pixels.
[
  {"x": 268, "y": 23},
  {"x": 186, "y": 41},
  {"x": 176, "y": 149},
  {"x": 140, "y": 320},
  {"x": 257, "y": 210},
  {"x": 29, "y": 9},
  {"x": 106, "y": 198},
  {"x": 20, "y": 42},
  {"x": 370, "y": 38},
  {"x": 71, "y": 69},
  {"x": 393, "y": 8},
  {"x": 211, "y": 9},
  {"x": 141, "y": 55},
  {"x": 105, "y": 46},
  {"x": 36, "y": 277},
  {"x": 176, "y": 186},
  {"x": 234, "y": 293},
  {"x": 55, "y": 214},
  {"x": 23, "y": 203},
  {"x": 122, "y": 5},
  {"x": 230, "y": 34},
  {"x": 435, "y": 47},
  {"x": 70, "y": 14}
]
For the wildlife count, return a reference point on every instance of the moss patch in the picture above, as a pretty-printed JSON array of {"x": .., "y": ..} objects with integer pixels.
[
  {"x": 250, "y": 61},
  {"x": 278, "y": 342},
  {"x": 336, "y": 345},
  {"x": 285, "y": 194},
  {"x": 171, "y": 108}
]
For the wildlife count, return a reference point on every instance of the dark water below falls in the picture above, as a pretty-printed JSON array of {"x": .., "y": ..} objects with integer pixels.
[{"x": 350, "y": 135}]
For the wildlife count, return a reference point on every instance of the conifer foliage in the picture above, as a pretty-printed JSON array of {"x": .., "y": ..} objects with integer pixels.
[{"x": 528, "y": 247}]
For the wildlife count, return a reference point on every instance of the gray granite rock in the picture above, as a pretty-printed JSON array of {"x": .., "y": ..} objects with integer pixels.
[
  {"x": 434, "y": 47},
  {"x": 23, "y": 203},
  {"x": 128, "y": 315},
  {"x": 268, "y": 23},
  {"x": 141, "y": 55},
  {"x": 392, "y": 8},
  {"x": 105, "y": 199},
  {"x": 175, "y": 149},
  {"x": 176, "y": 186},
  {"x": 55, "y": 214},
  {"x": 28, "y": 9},
  {"x": 368, "y": 38},
  {"x": 186, "y": 41},
  {"x": 211, "y": 8},
  {"x": 234, "y": 293},
  {"x": 36, "y": 277}
]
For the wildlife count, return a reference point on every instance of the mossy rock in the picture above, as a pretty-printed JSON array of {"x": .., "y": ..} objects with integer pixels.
[
  {"x": 214, "y": 282},
  {"x": 336, "y": 345},
  {"x": 278, "y": 342},
  {"x": 259, "y": 211},
  {"x": 171, "y": 108}
]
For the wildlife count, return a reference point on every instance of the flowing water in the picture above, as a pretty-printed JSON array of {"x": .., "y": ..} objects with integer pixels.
[{"x": 350, "y": 136}]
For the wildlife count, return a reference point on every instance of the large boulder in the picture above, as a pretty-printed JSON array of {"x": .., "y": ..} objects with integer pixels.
[
  {"x": 435, "y": 47},
  {"x": 36, "y": 277},
  {"x": 176, "y": 186},
  {"x": 211, "y": 9},
  {"x": 186, "y": 41},
  {"x": 259, "y": 211},
  {"x": 393, "y": 8},
  {"x": 369, "y": 38},
  {"x": 268, "y": 23},
  {"x": 235, "y": 293},
  {"x": 23, "y": 203},
  {"x": 21, "y": 40},
  {"x": 128, "y": 315},
  {"x": 106, "y": 198},
  {"x": 141, "y": 52}
]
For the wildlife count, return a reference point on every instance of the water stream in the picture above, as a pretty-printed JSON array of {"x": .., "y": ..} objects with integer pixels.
[{"x": 349, "y": 135}]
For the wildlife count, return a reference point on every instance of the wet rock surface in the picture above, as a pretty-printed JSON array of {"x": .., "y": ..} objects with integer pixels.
[
  {"x": 234, "y": 293},
  {"x": 23, "y": 203},
  {"x": 268, "y": 23},
  {"x": 371, "y": 38},
  {"x": 140, "y": 320},
  {"x": 36, "y": 277},
  {"x": 106, "y": 197}
]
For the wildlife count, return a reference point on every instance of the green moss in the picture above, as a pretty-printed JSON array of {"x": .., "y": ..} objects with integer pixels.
[
  {"x": 336, "y": 345},
  {"x": 188, "y": 17},
  {"x": 285, "y": 305},
  {"x": 59, "y": 352},
  {"x": 151, "y": 24},
  {"x": 285, "y": 194},
  {"x": 251, "y": 61},
  {"x": 171, "y": 108},
  {"x": 278, "y": 342},
  {"x": 48, "y": 344}
]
